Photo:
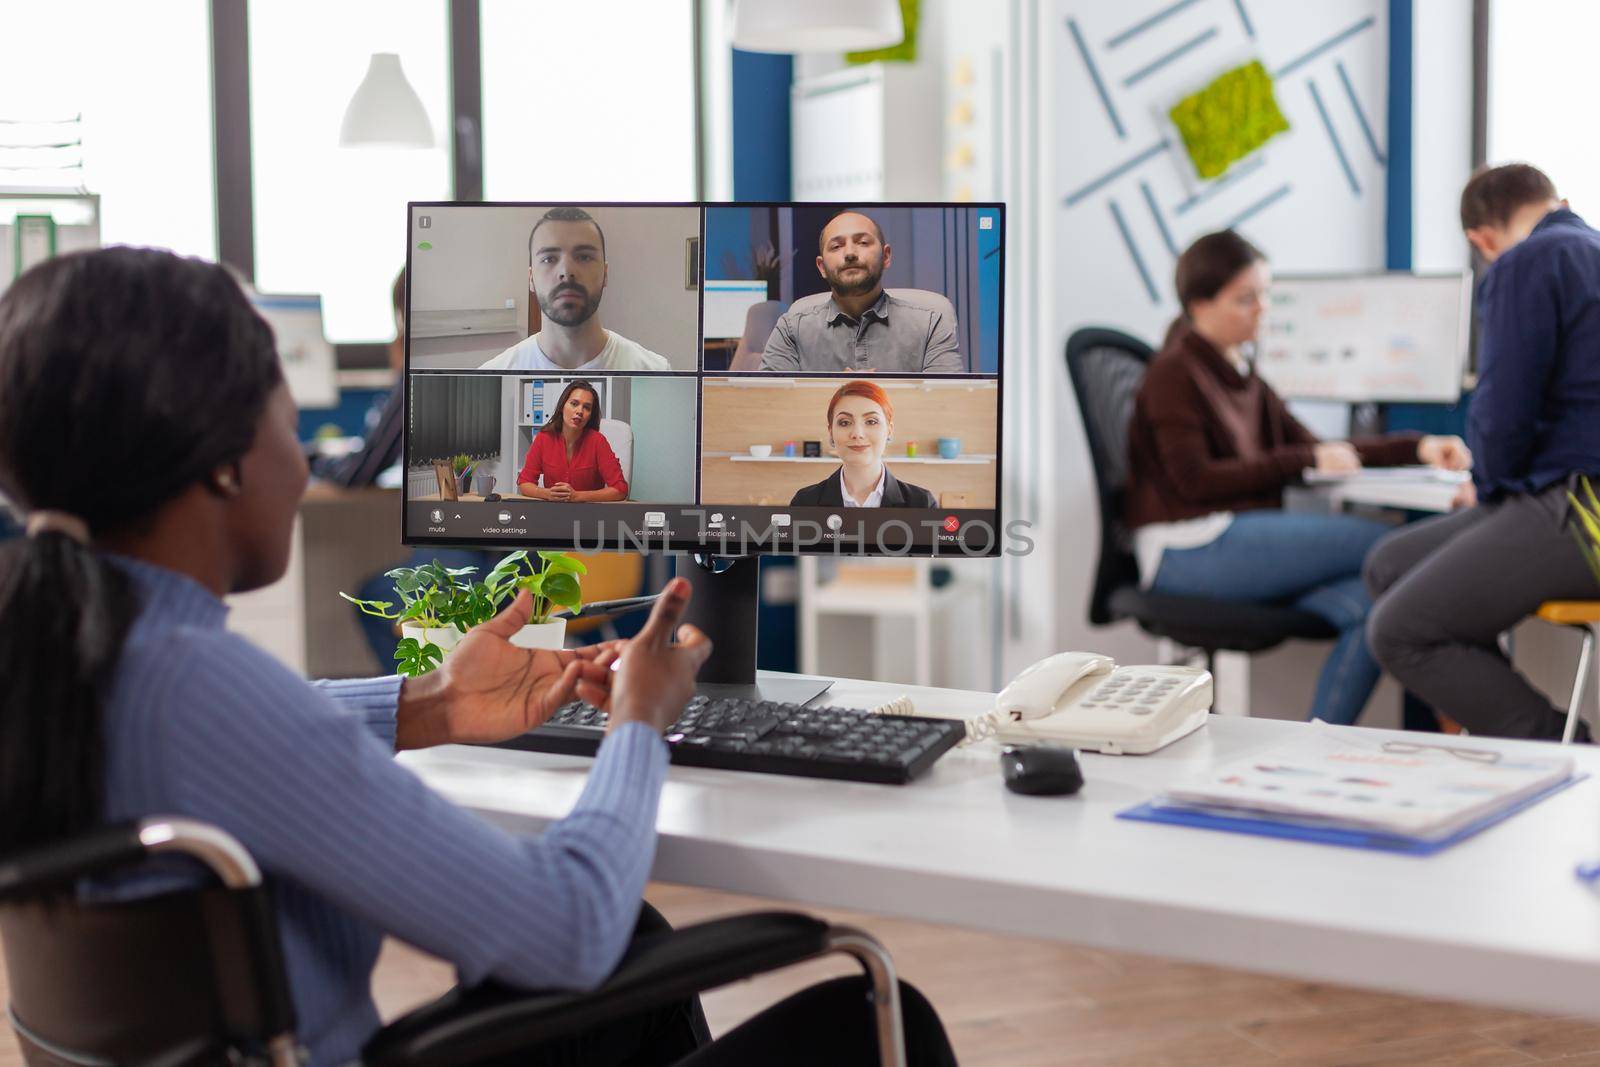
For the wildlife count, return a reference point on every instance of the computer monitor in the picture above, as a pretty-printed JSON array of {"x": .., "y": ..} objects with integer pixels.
[
  {"x": 722, "y": 380},
  {"x": 309, "y": 365},
  {"x": 728, "y": 302},
  {"x": 1387, "y": 337}
]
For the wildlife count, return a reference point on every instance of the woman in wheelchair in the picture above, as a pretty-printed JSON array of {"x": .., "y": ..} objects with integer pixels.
[{"x": 149, "y": 440}]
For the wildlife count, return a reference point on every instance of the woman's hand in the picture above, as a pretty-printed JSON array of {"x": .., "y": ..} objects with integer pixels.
[
  {"x": 1336, "y": 457},
  {"x": 1466, "y": 496},
  {"x": 488, "y": 689},
  {"x": 561, "y": 491},
  {"x": 655, "y": 678},
  {"x": 1445, "y": 452}
]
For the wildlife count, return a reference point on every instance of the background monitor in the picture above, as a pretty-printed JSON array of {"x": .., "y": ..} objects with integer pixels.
[
  {"x": 1392, "y": 337},
  {"x": 309, "y": 365},
  {"x": 727, "y": 305}
]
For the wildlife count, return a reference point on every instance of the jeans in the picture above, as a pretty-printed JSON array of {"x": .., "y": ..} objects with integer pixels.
[{"x": 1312, "y": 562}]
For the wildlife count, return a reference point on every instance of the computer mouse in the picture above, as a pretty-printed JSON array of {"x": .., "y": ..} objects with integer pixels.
[
  {"x": 1040, "y": 770},
  {"x": 491, "y": 498}
]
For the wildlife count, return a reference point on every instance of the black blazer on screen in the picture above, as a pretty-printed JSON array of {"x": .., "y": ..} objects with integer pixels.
[{"x": 896, "y": 494}]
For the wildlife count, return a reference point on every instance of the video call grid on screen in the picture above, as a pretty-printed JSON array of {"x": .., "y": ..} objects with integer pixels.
[{"x": 704, "y": 440}]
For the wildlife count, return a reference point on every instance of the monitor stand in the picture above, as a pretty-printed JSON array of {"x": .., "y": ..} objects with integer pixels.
[{"x": 724, "y": 605}]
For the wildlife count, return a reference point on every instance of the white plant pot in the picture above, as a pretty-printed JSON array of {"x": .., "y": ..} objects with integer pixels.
[
  {"x": 550, "y": 634},
  {"x": 446, "y": 637}
]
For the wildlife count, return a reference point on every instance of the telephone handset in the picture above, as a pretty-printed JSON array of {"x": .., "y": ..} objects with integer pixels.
[{"x": 1087, "y": 701}]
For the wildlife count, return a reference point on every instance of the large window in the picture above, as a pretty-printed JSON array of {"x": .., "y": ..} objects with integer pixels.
[
  {"x": 588, "y": 101},
  {"x": 144, "y": 97},
  {"x": 332, "y": 220},
  {"x": 1542, "y": 83}
]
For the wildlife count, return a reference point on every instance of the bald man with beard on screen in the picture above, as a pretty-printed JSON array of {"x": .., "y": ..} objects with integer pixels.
[{"x": 862, "y": 326}]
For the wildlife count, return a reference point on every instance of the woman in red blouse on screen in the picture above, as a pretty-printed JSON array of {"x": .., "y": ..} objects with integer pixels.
[{"x": 573, "y": 456}]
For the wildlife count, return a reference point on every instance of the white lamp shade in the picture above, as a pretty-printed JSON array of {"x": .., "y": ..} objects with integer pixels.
[
  {"x": 816, "y": 25},
  {"x": 385, "y": 111}
]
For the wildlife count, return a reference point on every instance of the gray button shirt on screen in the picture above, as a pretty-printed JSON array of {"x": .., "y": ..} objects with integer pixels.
[{"x": 893, "y": 336}]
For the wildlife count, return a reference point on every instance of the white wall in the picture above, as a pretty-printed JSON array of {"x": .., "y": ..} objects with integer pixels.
[
  {"x": 1441, "y": 131},
  {"x": 1320, "y": 222},
  {"x": 479, "y": 259},
  {"x": 662, "y": 412},
  {"x": 1034, "y": 587}
]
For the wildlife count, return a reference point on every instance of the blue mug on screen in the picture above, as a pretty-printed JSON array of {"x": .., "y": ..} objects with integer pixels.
[{"x": 949, "y": 447}]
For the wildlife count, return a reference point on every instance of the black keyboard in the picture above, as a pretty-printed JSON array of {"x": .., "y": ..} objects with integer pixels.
[{"x": 772, "y": 738}]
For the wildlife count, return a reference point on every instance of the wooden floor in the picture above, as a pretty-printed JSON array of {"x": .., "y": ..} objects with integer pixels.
[{"x": 1027, "y": 1003}]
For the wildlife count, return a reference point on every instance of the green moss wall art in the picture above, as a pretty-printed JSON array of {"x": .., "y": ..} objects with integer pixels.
[{"x": 1229, "y": 119}]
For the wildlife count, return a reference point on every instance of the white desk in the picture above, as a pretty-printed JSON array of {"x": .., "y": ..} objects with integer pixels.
[
  {"x": 1384, "y": 490},
  {"x": 1499, "y": 919}
]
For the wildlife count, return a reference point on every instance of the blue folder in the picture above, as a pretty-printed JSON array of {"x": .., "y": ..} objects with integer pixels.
[{"x": 1269, "y": 826}]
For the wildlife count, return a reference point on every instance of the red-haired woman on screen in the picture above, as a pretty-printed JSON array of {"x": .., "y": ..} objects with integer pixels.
[{"x": 860, "y": 426}]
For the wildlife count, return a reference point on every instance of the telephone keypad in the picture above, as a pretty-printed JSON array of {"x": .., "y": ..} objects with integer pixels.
[{"x": 1138, "y": 695}]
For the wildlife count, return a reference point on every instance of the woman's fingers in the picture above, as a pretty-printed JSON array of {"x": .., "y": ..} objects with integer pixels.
[
  {"x": 665, "y": 614},
  {"x": 693, "y": 645}
]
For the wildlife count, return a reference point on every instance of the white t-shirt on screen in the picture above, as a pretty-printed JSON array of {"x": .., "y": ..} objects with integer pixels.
[{"x": 619, "y": 353}]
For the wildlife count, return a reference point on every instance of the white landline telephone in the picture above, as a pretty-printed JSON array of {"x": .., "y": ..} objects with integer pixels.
[{"x": 1088, "y": 702}]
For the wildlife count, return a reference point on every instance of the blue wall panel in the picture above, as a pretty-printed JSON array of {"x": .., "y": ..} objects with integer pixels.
[{"x": 761, "y": 125}]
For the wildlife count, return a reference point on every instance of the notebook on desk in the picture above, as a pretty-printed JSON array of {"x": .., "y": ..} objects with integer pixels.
[{"x": 1338, "y": 786}]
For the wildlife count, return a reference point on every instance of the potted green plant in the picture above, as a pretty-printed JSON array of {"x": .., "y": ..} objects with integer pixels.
[
  {"x": 436, "y": 606},
  {"x": 462, "y": 465},
  {"x": 553, "y": 579},
  {"x": 1587, "y": 527}
]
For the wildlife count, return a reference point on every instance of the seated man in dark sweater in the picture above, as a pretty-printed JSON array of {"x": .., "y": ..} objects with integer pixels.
[
  {"x": 1211, "y": 448},
  {"x": 1447, "y": 588}
]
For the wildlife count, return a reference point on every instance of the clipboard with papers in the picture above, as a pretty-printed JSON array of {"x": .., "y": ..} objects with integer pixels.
[{"x": 1331, "y": 785}]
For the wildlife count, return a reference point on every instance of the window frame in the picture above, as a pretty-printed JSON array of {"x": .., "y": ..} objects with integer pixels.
[
  {"x": 230, "y": 84},
  {"x": 230, "y": 87}
]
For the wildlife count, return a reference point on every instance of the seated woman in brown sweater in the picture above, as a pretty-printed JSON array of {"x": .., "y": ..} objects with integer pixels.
[{"x": 1211, "y": 447}]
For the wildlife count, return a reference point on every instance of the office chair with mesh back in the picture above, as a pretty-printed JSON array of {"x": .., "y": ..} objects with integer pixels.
[
  {"x": 1106, "y": 368},
  {"x": 196, "y": 977}
]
